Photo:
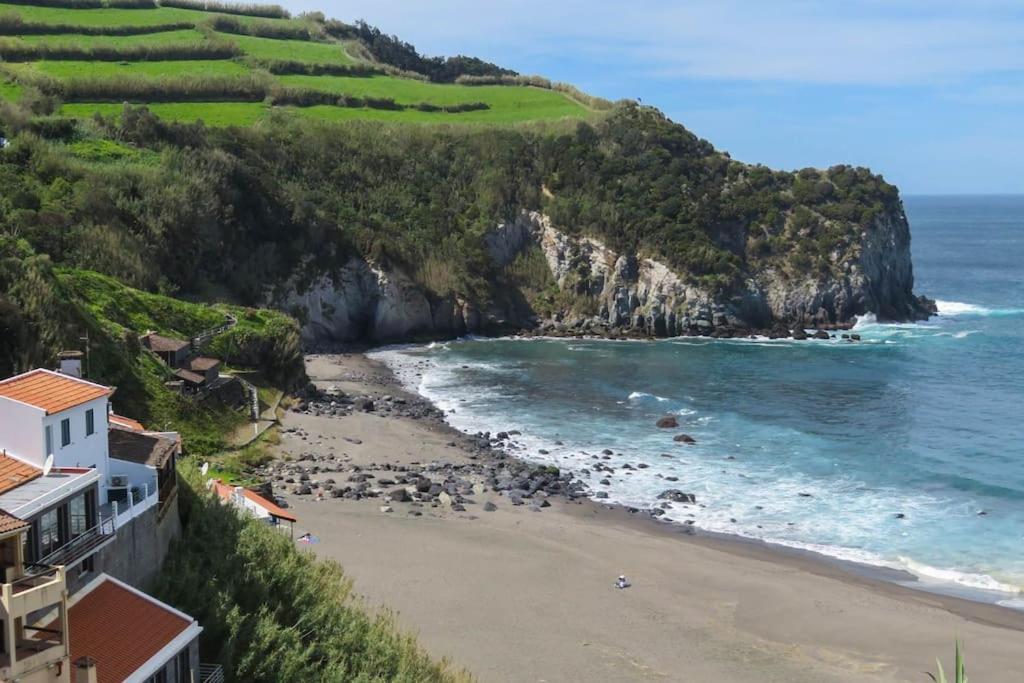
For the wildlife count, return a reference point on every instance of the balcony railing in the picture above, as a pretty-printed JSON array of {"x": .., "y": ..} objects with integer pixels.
[
  {"x": 82, "y": 545},
  {"x": 139, "y": 500},
  {"x": 211, "y": 673}
]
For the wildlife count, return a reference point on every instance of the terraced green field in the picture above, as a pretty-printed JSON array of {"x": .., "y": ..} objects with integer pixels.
[
  {"x": 81, "y": 40},
  {"x": 534, "y": 102},
  {"x": 199, "y": 67},
  {"x": 505, "y": 104},
  {"x": 210, "y": 113},
  {"x": 121, "y": 17},
  {"x": 291, "y": 50}
]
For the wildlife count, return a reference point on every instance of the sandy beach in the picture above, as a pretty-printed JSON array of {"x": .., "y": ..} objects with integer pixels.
[{"x": 526, "y": 594}]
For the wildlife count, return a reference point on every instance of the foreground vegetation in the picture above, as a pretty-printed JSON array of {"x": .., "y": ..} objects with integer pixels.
[{"x": 273, "y": 613}]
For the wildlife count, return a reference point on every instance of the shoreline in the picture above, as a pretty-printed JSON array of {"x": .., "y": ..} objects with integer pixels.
[
  {"x": 901, "y": 577},
  {"x": 838, "y": 586}
]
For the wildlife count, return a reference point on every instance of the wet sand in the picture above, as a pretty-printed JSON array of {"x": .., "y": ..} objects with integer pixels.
[{"x": 521, "y": 595}]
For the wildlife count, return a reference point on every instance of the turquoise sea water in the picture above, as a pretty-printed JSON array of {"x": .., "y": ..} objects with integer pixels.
[{"x": 921, "y": 420}]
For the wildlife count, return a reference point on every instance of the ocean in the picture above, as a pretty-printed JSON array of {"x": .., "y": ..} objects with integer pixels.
[{"x": 904, "y": 450}]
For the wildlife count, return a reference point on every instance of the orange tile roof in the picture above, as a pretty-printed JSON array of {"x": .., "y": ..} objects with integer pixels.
[
  {"x": 120, "y": 629},
  {"x": 225, "y": 491},
  {"x": 51, "y": 391},
  {"x": 10, "y": 523},
  {"x": 127, "y": 422},
  {"x": 14, "y": 473}
]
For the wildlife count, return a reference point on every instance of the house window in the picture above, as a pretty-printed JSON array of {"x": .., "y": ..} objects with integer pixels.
[
  {"x": 49, "y": 440},
  {"x": 65, "y": 432},
  {"x": 184, "y": 666},
  {"x": 78, "y": 514},
  {"x": 90, "y": 423},
  {"x": 49, "y": 532},
  {"x": 85, "y": 567}
]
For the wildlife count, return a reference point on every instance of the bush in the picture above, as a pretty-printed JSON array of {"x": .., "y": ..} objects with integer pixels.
[
  {"x": 252, "y": 88},
  {"x": 287, "y": 68},
  {"x": 17, "y": 51},
  {"x": 66, "y": 4},
  {"x": 11, "y": 24},
  {"x": 266, "y": 11},
  {"x": 401, "y": 55},
  {"x": 261, "y": 29}
]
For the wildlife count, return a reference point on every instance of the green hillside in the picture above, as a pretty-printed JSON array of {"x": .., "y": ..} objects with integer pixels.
[{"x": 226, "y": 67}]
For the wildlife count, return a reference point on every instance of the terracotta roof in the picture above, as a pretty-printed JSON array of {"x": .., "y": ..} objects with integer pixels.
[
  {"x": 51, "y": 391},
  {"x": 225, "y": 491},
  {"x": 120, "y": 629},
  {"x": 202, "y": 363},
  {"x": 189, "y": 376},
  {"x": 9, "y": 523},
  {"x": 14, "y": 473},
  {"x": 144, "y": 449},
  {"x": 126, "y": 422},
  {"x": 160, "y": 344}
]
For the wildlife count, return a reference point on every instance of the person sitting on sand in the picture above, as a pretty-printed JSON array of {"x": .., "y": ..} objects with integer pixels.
[{"x": 622, "y": 583}]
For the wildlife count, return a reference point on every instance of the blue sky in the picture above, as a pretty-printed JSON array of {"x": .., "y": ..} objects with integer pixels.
[{"x": 929, "y": 93}]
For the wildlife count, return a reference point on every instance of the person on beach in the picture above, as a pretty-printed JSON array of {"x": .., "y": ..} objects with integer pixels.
[{"x": 622, "y": 583}]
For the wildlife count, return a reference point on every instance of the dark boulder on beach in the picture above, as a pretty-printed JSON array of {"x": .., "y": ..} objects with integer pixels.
[
  {"x": 684, "y": 438},
  {"x": 667, "y": 422},
  {"x": 677, "y": 496},
  {"x": 399, "y": 496},
  {"x": 821, "y": 334},
  {"x": 490, "y": 507}
]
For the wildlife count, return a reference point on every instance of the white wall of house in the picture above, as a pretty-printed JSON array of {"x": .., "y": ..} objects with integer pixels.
[
  {"x": 250, "y": 506},
  {"x": 21, "y": 431},
  {"x": 84, "y": 450},
  {"x": 23, "y": 435},
  {"x": 138, "y": 475}
]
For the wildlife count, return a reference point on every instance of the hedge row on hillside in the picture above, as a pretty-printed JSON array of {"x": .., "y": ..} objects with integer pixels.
[
  {"x": 260, "y": 29},
  {"x": 17, "y": 51},
  {"x": 266, "y": 11},
  {"x": 87, "y": 4},
  {"x": 537, "y": 82},
  {"x": 286, "y": 68},
  {"x": 12, "y": 25},
  {"x": 250, "y": 88}
]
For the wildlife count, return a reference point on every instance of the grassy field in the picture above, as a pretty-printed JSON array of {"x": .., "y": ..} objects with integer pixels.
[
  {"x": 291, "y": 50},
  {"x": 205, "y": 67},
  {"x": 151, "y": 40},
  {"x": 518, "y": 102},
  {"x": 506, "y": 104},
  {"x": 10, "y": 91},
  {"x": 121, "y": 17},
  {"x": 211, "y": 113}
]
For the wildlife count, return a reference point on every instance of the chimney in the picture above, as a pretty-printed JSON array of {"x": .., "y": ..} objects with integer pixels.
[
  {"x": 70, "y": 363},
  {"x": 85, "y": 670}
]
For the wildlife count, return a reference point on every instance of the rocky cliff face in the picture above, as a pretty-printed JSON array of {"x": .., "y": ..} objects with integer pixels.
[
  {"x": 364, "y": 303},
  {"x": 628, "y": 293}
]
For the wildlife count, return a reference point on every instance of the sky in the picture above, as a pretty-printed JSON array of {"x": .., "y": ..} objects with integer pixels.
[{"x": 930, "y": 93}]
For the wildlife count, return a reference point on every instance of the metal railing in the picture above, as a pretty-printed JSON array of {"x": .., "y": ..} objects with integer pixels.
[
  {"x": 211, "y": 673},
  {"x": 83, "y": 544}
]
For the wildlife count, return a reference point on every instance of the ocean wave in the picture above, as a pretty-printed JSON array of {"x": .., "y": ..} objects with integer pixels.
[
  {"x": 959, "y": 308},
  {"x": 929, "y": 574},
  {"x": 642, "y": 395}
]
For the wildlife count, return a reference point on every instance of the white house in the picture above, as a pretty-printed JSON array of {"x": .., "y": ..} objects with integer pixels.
[
  {"x": 43, "y": 413},
  {"x": 254, "y": 504}
]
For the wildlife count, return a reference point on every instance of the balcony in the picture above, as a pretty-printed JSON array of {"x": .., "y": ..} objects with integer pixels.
[
  {"x": 211, "y": 673},
  {"x": 83, "y": 545},
  {"x": 40, "y": 591},
  {"x": 41, "y": 587}
]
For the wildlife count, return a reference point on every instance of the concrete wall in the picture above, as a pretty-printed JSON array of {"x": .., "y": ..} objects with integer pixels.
[
  {"x": 83, "y": 451},
  {"x": 22, "y": 431},
  {"x": 139, "y": 551}
]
